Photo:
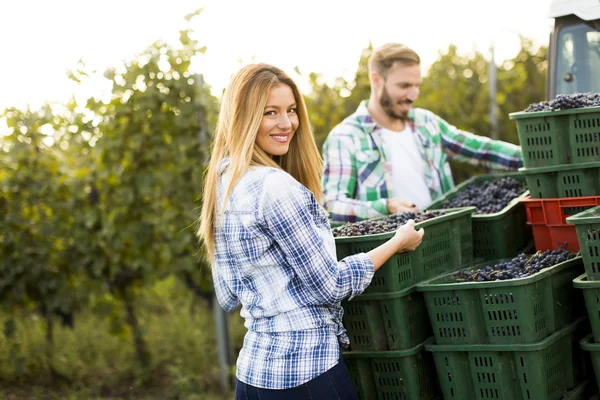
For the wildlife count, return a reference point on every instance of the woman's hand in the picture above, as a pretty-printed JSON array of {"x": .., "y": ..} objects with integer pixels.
[{"x": 407, "y": 238}]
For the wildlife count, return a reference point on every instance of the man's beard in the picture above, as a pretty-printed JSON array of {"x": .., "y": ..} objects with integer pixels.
[{"x": 387, "y": 105}]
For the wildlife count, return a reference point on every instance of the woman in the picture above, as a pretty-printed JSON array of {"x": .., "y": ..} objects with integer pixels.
[{"x": 271, "y": 245}]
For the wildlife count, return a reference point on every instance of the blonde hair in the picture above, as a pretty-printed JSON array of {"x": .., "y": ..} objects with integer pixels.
[
  {"x": 382, "y": 58},
  {"x": 241, "y": 113}
]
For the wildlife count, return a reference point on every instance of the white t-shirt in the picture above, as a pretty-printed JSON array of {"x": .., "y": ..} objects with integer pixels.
[{"x": 408, "y": 168}]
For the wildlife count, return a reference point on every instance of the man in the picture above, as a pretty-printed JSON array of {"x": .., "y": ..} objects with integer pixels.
[{"x": 388, "y": 157}]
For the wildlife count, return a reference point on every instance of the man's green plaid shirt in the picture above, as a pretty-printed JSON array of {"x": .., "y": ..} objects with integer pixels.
[{"x": 357, "y": 170}]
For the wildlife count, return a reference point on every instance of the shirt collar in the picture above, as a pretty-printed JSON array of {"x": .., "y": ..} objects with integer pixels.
[{"x": 223, "y": 164}]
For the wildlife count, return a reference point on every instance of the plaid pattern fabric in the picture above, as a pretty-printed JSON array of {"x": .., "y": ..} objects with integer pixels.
[
  {"x": 275, "y": 255},
  {"x": 357, "y": 170}
]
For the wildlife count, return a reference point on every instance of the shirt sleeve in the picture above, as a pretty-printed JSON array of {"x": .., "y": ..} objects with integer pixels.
[
  {"x": 292, "y": 217},
  {"x": 339, "y": 183},
  {"x": 226, "y": 298},
  {"x": 479, "y": 150}
]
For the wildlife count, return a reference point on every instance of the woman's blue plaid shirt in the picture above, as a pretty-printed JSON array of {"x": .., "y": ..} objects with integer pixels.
[{"x": 275, "y": 256}]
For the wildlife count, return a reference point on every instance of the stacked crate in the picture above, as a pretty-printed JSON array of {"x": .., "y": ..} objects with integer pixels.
[
  {"x": 511, "y": 339},
  {"x": 388, "y": 325},
  {"x": 561, "y": 156},
  {"x": 587, "y": 225},
  {"x": 519, "y": 338},
  {"x": 508, "y": 339}
]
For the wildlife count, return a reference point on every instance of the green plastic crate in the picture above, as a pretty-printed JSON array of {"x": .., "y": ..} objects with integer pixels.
[
  {"x": 584, "y": 391},
  {"x": 513, "y": 311},
  {"x": 551, "y": 138},
  {"x": 393, "y": 375},
  {"x": 490, "y": 241},
  {"x": 587, "y": 225},
  {"x": 538, "y": 371},
  {"x": 387, "y": 321},
  {"x": 447, "y": 244},
  {"x": 589, "y": 345},
  {"x": 591, "y": 295},
  {"x": 574, "y": 180}
]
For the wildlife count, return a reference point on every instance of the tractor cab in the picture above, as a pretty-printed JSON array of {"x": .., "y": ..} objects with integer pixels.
[{"x": 574, "y": 48}]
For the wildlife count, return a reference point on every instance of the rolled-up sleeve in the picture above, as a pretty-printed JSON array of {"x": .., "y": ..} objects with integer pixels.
[
  {"x": 291, "y": 214},
  {"x": 479, "y": 150}
]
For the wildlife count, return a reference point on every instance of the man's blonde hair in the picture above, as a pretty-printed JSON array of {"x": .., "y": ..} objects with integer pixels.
[{"x": 382, "y": 58}]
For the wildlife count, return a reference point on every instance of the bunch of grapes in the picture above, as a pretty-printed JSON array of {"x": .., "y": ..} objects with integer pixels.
[
  {"x": 566, "y": 102},
  {"x": 386, "y": 224},
  {"x": 521, "y": 266},
  {"x": 489, "y": 197}
]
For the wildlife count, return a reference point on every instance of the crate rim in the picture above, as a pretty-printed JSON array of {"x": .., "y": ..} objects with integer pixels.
[
  {"x": 528, "y": 199},
  {"x": 384, "y": 295},
  {"x": 578, "y": 391},
  {"x": 583, "y": 218},
  {"x": 389, "y": 354},
  {"x": 587, "y": 343},
  {"x": 581, "y": 282},
  {"x": 449, "y": 213},
  {"x": 534, "y": 114},
  {"x": 537, "y": 346},
  {"x": 428, "y": 286},
  {"x": 558, "y": 168}
]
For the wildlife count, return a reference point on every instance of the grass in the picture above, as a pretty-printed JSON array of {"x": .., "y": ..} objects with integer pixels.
[
  {"x": 12, "y": 392},
  {"x": 98, "y": 357}
]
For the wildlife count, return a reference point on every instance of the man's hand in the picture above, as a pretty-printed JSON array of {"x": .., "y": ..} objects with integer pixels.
[{"x": 397, "y": 205}]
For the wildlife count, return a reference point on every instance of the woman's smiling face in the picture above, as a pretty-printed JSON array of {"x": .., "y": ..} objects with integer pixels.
[{"x": 279, "y": 121}]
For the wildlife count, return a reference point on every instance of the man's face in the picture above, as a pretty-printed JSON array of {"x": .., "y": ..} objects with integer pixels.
[{"x": 401, "y": 88}]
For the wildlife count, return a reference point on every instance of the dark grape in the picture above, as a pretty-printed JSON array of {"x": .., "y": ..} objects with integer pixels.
[
  {"x": 566, "y": 102},
  {"x": 386, "y": 224},
  {"x": 489, "y": 197},
  {"x": 521, "y": 266}
]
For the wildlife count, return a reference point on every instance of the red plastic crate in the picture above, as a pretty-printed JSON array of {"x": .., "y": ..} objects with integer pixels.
[
  {"x": 555, "y": 237},
  {"x": 547, "y": 218}
]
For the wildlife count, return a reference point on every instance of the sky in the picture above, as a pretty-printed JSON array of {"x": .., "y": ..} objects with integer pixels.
[{"x": 40, "y": 40}]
